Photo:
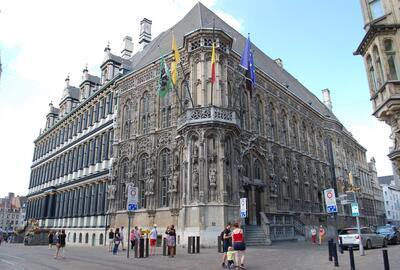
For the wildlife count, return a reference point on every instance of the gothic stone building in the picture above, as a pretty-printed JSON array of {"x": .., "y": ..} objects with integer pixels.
[
  {"x": 192, "y": 155},
  {"x": 192, "y": 162}
]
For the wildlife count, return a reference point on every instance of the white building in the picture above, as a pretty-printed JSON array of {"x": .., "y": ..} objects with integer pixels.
[{"x": 391, "y": 195}]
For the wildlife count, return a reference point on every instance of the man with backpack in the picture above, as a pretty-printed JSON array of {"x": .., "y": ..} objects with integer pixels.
[{"x": 226, "y": 242}]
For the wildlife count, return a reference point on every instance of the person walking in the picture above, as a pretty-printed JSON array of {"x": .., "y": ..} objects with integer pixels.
[
  {"x": 110, "y": 240},
  {"x": 132, "y": 238},
  {"x": 117, "y": 241},
  {"x": 226, "y": 242},
  {"x": 321, "y": 234},
  {"x": 60, "y": 244},
  {"x": 153, "y": 240},
  {"x": 313, "y": 235},
  {"x": 238, "y": 245},
  {"x": 122, "y": 237},
  {"x": 171, "y": 241},
  {"x": 51, "y": 239}
]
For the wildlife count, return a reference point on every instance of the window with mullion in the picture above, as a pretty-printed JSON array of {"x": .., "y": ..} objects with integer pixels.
[{"x": 97, "y": 112}]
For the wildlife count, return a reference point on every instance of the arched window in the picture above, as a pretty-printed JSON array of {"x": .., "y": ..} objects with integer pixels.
[
  {"x": 391, "y": 59},
  {"x": 80, "y": 238},
  {"x": 145, "y": 113},
  {"x": 371, "y": 73},
  {"x": 86, "y": 238},
  {"x": 101, "y": 239},
  {"x": 165, "y": 110},
  {"x": 124, "y": 169},
  {"x": 378, "y": 65},
  {"x": 284, "y": 129},
  {"x": 229, "y": 96},
  {"x": 74, "y": 238},
  {"x": 165, "y": 175},
  {"x": 257, "y": 170},
  {"x": 245, "y": 110},
  {"x": 272, "y": 121},
  {"x": 304, "y": 137},
  {"x": 246, "y": 167},
  {"x": 126, "y": 120},
  {"x": 143, "y": 164},
  {"x": 259, "y": 116}
]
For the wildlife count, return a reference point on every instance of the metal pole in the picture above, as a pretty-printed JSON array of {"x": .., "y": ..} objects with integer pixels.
[
  {"x": 186, "y": 84},
  {"x": 351, "y": 254},
  {"x": 334, "y": 184},
  {"x": 385, "y": 259},
  {"x": 361, "y": 246},
  {"x": 128, "y": 234}
]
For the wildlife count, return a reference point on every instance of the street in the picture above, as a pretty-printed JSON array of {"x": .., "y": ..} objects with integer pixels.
[{"x": 280, "y": 256}]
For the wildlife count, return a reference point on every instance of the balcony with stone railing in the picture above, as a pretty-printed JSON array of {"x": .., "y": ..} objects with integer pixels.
[
  {"x": 208, "y": 115},
  {"x": 387, "y": 100}
]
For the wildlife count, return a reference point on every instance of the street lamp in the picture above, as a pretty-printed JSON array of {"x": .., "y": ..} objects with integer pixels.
[{"x": 354, "y": 190}]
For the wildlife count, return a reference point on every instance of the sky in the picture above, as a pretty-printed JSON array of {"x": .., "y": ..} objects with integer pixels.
[{"x": 46, "y": 40}]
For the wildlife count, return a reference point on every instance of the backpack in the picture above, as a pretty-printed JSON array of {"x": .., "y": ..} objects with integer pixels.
[{"x": 222, "y": 235}]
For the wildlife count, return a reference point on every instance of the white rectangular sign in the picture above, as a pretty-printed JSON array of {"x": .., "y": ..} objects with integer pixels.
[
  {"x": 330, "y": 197},
  {"x": 132, "y": 201},
  {"x": 243, "y": 207}
]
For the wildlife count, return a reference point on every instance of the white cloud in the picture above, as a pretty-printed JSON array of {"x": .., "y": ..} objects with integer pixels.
[
  {"x": 374, "y": 136},
  {"x": 54, "y": 38},
  {"x": 236, "y": 23}
]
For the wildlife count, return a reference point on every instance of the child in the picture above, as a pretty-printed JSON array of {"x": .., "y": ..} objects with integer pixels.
[{"x": 230, "y": 255}]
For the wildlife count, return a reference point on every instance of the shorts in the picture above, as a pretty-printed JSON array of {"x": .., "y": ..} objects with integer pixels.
[
  {"x": 225, "y": 246},
  {"x": 153, "y": 242},
  {"x": 239, "y": 246}
]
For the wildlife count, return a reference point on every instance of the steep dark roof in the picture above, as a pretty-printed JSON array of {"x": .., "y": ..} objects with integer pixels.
[
  {"x": 201, "y": 17},
  {"x": 385, "y": 180}
]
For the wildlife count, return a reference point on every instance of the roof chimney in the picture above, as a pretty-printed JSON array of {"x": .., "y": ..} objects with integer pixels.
[
  {"x": 327, "y": 98},
  {"x": 279, "y": 62},
  {"x": 127, "y": 47},
  {"x": 145, "y": 32}
]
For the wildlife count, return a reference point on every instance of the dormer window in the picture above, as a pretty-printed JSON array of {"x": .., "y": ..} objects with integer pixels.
[{"x": 376, "y": 9}]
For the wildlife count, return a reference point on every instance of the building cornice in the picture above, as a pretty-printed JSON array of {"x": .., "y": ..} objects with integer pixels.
[{"x": 372, "y": 32}]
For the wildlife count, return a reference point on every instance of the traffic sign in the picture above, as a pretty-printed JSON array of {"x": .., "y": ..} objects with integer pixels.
[
  {"x": 331, "y": 208},
  {"x": 132, "y": 201},
  {"x": 355, "y": 212},
  {"x": 243, "y": 207},
  {"x": 330, "y": 200}
]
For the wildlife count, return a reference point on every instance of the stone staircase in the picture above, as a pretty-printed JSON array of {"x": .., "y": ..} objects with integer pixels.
[{"x": 254, "y": 235}]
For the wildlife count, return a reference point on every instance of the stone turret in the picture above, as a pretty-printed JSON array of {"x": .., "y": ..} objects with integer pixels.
[{"x": 327, "y": 98}]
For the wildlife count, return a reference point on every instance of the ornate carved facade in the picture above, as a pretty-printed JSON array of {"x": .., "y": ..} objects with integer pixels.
[{"x": 193, "y": 162}]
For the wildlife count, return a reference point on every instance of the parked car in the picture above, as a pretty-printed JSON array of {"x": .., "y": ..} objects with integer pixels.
[
  {"x": 390, "y": 232},
  {"x": 370, "y": 239}
]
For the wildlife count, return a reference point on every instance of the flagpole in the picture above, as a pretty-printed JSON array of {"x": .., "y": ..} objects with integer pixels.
[{"x": 212, "y": 83}]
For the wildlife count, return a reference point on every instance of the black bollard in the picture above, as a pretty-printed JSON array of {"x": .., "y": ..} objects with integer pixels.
[
  {"x": 341, "y": 245},
  {"x": 198, "y": 244},
  {"x": 351, "y": 254},
  {"x": 330, "y": 242},
  {"x": 219, "y": 241},
  {"x": 189, "y": 244},
  {"x": 141, "y": 248},
  {"x": 147, "y": 247},
  {"x": 385, "y": 259},
  {"x": 335, "y": 255},
  {"x": 164, "y": 247}
]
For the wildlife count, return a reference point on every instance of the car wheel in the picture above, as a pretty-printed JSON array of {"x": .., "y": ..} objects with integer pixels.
[
  {"x": 385, "y": 243},
  {"x": 369, "y": 244}
]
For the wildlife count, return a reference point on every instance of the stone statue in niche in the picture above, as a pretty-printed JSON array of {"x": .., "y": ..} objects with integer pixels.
[
  {"x": 195, "y": 178},
  {"x": 176, "y": 162},
  {"x": 150, "y": 183},
  {"x": 212, "y": 174},
  {"x": 111, "y": 192}
]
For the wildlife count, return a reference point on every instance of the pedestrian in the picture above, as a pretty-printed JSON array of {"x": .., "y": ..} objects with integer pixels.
[
  {"x": 171, "y": 241},
  {"x": 238, "y": 245},
  {"x": 313, "y": 235},
  {"x": 230, "y": 256},
  {"x": 51, "y": 236},
  {"x": 226, "y": 242},
  {"x": 110, "y": 240},
  {"x": 132, "y": 238},
  {"x": 122, "y": 237},
  {"x": 153, "y": 240},
  {"x": 60, "y": 243},
  {"x": 321, "y": 234},
  {"x": 117, "y": 241}
]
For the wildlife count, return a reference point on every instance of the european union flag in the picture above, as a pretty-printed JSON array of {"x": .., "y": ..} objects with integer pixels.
[{"x": 247, "y": 62}]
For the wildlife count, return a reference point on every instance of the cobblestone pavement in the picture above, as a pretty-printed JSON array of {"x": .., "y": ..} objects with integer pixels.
[{"x": 282, "y": 256}]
